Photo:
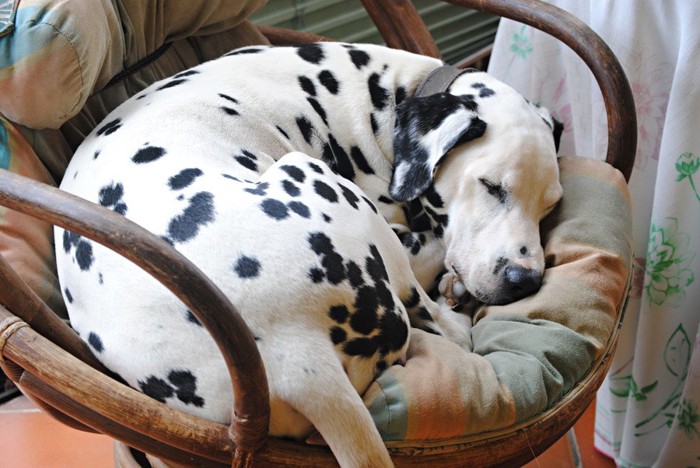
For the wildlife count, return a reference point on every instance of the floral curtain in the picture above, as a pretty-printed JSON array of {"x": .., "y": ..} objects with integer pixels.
[{"x": 647, "y": 411}]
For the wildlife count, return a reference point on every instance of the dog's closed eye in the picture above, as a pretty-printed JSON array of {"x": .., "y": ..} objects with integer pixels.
[{"x": 494, "y": 189}]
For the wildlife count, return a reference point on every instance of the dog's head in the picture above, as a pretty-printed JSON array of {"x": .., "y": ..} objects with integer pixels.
[{"x": 483, "y": 161}]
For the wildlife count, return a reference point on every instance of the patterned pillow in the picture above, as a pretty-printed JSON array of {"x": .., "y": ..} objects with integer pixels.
[{"x": 55, "y": 53}]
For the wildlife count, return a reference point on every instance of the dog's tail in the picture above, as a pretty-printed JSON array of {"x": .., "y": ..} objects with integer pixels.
[{"x": 316, "y": 385}]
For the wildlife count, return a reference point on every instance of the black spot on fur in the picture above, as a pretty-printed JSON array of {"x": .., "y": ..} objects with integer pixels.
[
  {"x": 399, "y": 95},
  {"x": 365, "y": 318},
  {"x": 229, "y": 111},
  {"x": 294, "y": 172},
  {"x": 360, "y": 161},
  {"x": 247, "y": 160},
  {"x": 259, "y": 190},
  {"x": 186, "y": 73},
  {"x": 328, "y": 80},
  {"x": 83, "y": 249},
  {"x": 306, "y": 128},
  {"x": 312, "y": 53},
  {"x": 411, "y": 301},
  {"x": 338, "y": 159},
  {"x": 157, "y": 388},
  {"x": 416, "y": 216},
  {"x": 228, "y": 98},
  {"x": 354, "y": 273},
  {"x": 281, "y": 130},
  {"x": 408, "y": 239},
  {"x": 247, "y": 267},
  {"x": 370, "y": 204},
  {"x": 438, "y": 219},
  {"x": 307, "y": 85},
  {"x": 378, "y": 94},
  {"x": 184, "y": 178},
  {"x": 170, "y": 84},
  {"x": 69, "y": 240},
  {"x": 373, "y": 123},
  {"x": 274, "y": 209},
  {"x": 200, "y": 212},
  {"x": 350, "y": 196},
  {"x": 325, "y": 191},
  {"x": 338, "y": 335},
  {"x": 316, "y": 275},
  {"x": 69, "y": 296},
  {"x": 361, "y": 347},
  {"x": 433, "y": 197},
  {"x": 96, "y": 342},
  {"x": 359, "y": 58},
  {"x": 327, "y": 218},
  {"x": 180, "y": 383},
  {"x": 393, "y": 332},
  {"x": 424, "y": 314},
  {"x": 230, "y": 177},
  {"x": 185, "y": 387},
  {"x": 110, "y": 196},
  {"x": 300, "y": 209},
  {"x": 148, "y": 154},
  {"x": 331, "y": 261},
  {"x": 96, "y": 155},
  {"x": 247, "y": 50},
  {"x": 291, "y": 189},
  {"x": 386, "y": 200},
  {"x": 110, "y": 127},
  {"x": 191, "y": 318},
  {"x": 484, "y": 91},
  {"x": 339, "y": 313},
  {"x": 319, "y": 109},
  {"x": 316, "y": 168}
]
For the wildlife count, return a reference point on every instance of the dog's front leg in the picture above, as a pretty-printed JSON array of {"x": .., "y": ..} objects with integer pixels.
[{"x": 425, "y": 252}]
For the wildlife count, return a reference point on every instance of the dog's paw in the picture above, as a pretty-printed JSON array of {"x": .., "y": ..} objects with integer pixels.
[{"x": 453, "y": 291}]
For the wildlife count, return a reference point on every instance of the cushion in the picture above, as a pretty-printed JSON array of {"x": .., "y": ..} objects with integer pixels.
[
  {"x": 528, "y": 354},
  {"x": 54, "y": 53}
]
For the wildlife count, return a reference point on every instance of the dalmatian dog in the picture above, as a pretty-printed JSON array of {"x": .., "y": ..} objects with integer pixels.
[{"x": 324, "y": 196}]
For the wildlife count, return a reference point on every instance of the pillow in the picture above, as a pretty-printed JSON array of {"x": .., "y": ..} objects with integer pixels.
[
  {"x": 55, "y": 53},
  {"x": 527, "y": 354}
]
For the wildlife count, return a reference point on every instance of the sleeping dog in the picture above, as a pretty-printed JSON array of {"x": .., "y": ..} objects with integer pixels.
[{"x": 324, "y": 195}]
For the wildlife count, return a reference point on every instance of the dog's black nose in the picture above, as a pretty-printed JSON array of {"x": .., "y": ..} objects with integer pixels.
[{"x": 521, "y": 281}]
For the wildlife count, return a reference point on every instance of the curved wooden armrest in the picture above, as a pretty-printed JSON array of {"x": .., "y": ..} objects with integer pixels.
[
  {"x": 619, "y": 103},
  {"x": 251, "y": 412}
]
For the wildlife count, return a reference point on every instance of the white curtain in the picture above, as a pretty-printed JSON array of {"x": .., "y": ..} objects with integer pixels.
[{"x": 648, "y": 409}]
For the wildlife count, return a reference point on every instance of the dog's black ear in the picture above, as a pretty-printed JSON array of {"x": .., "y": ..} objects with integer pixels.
[
  {"x": 557, "y": 131},
  {"x": 556, "y": 126},
  {"x": 426, "y": 129}
]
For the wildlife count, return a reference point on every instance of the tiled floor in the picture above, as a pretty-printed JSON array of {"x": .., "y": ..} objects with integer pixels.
[{"x": 30, "y": 438}]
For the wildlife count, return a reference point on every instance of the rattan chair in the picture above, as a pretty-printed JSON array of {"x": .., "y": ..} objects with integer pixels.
[{"x": 54, "y": 367}]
